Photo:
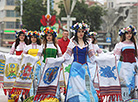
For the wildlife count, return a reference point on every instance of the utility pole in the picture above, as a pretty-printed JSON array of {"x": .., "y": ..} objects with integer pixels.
[
  {"x": 21, "y": 12},
  {"x": 69, "y": 11}
]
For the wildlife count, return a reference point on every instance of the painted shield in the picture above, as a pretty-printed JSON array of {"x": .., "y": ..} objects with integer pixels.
[{"x": 50, "y": 75}]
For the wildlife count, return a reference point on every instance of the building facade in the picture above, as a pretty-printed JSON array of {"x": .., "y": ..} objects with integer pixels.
[
  {"x": 118, "y": 3},
  {"x": 9, "y": 22}
]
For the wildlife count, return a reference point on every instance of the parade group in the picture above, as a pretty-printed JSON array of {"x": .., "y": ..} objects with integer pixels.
[{"x": 45, "y": 69}]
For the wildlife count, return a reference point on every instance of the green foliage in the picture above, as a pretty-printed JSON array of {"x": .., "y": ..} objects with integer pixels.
[
  {"x": 91, "y": 15},
  {"x": 32, "y": 13}
]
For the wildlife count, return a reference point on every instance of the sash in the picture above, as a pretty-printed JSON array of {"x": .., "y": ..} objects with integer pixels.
[
  {"x": 25, "y": 75},
  {"x": 49, "y": 80},
  {"x": 109, "y": 85}
]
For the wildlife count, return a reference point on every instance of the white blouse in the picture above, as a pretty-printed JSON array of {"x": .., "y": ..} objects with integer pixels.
[{"x": 20, "y": 47}]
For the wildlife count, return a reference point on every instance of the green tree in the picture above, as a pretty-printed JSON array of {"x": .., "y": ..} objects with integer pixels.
[
  {"x": 32, "y": 13},
  {"x": 91, "y": 15}
]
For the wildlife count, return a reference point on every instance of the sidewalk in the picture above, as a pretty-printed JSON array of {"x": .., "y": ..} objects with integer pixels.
[{"x": 4, "y": 49}]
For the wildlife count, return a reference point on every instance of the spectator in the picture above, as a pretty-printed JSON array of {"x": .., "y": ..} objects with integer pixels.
[{"x": 64, "y": 41}]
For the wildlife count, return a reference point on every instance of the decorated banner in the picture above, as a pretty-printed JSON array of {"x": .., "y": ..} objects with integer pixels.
[
  {"x": 11, "y": 70},
  {"x": 109, "y": 84},
  {"x": 2, "y": 66},
  {"x": 49, "y": 80},
  {"x": 25, "y": 75}
]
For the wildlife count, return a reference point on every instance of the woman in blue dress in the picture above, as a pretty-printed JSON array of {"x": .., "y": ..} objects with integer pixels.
[{"x": 80, "y": 47}]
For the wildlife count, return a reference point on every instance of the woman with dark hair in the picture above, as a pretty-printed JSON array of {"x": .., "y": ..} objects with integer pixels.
[
  {"x": 35, "y": 49},
  {"x": 127, "y": 49},
  {"x": 50, "y": 50},
  {"x": 50, "y": 46},
  {"x": 96, "y": 48},
  {"x": 80, "y": 46},
  {"x": 20, "y": 42}
]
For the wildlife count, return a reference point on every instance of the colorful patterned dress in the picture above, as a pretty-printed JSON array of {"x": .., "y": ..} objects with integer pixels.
[
  {"x": 76, "y": 89},
  {"x": 92, "y": 68},
  {"x": 126, "y": 50}
]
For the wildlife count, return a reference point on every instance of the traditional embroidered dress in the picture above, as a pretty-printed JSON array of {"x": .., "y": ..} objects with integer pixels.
[
  {"x": 11, "y": 69},
  {"x": 76, "y": 89},
  {"x": 19, "y": 48},
  {"x": 92, "y": 68},
  {"x": 127, "y": 67},
  {"x": 35, "y": 50},
  {"x": 51, "y": 51}
]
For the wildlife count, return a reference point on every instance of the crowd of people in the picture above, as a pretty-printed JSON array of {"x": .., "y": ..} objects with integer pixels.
[{"x": 81, "y": 52}]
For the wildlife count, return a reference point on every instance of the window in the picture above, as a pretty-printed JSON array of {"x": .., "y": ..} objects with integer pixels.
[
  {"x": 10, "y": 2},
  {"x": 13, "y": 25},
  {"x": 10, "y": 13},
  {"x": 10, "y": 25},
  {"x": 112, "y": 4},
  {"x": 17, "y": 14},
  {"x": 17, "y": 26},
  {"x": 9, "y": 36}
]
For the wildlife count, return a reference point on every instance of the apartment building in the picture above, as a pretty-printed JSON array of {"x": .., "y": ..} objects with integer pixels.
[{"x": 9, "y": 22}]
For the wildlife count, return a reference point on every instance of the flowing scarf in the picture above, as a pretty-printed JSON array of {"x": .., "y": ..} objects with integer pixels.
[
  {"x": 2, "y": 66},
  {"x": 25, "y": 75},
  {"x": 10, "y": 72},
  {"x": 109, "y": 85},
  {"x": 49, "y": 80}
]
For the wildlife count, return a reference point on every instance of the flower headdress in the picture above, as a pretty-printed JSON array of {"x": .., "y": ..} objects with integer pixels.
[
  {"x": 33, "y": 33},
  {"x": 78, "y": 25},
  {"x": 17, "y": 33},
  {"x": 49, "y": 30},
  {"x": 121, "y": 31},
  {"x": 92, "y": 34},
  {"x": 130, "y": 28}
]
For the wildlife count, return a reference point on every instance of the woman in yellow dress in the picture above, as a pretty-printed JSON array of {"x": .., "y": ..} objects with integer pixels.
[{"x": 35, "y": 49}]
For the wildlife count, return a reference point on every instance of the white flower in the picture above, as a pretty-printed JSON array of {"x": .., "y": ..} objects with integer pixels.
[{"x": 80, "y": 25}]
